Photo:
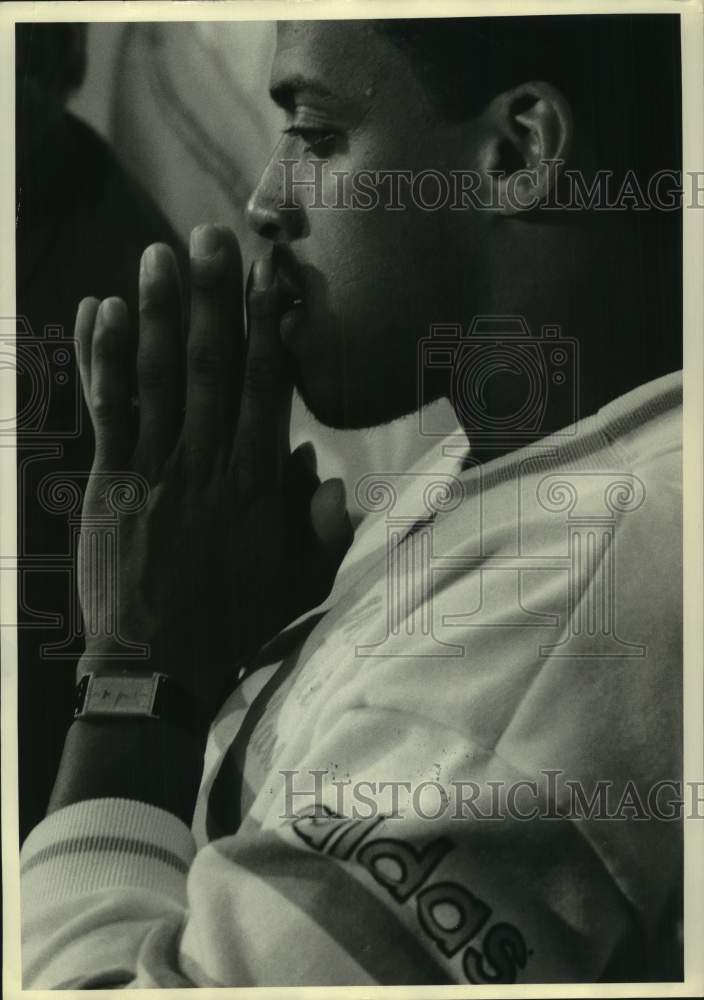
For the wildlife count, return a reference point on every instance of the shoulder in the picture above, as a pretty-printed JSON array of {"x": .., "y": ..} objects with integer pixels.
[{"x": 645, "y": 426}]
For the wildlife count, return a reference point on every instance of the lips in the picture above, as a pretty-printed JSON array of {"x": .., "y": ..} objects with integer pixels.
[
  {"x": 291, "y": 297},
  {"x": 289, "y": 279}
]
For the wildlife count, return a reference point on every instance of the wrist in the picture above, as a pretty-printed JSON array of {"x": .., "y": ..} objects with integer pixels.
[
  {"x": 146, "y": 760},
  {"x": 146, "y": 695},
  {"x": 206, "y": 688}
]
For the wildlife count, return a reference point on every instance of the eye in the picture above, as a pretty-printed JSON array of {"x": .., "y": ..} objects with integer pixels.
[{"x": 318, "y": 141}]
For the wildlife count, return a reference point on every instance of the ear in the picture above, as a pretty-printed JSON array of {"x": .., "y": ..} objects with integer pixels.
[{"x": 528, "y": 139}]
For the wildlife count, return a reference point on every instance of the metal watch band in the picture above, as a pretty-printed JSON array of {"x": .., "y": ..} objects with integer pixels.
[{"x": 127, "y": 694}]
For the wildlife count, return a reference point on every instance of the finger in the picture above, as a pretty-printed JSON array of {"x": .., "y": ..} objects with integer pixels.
[
  {"x": 160, "y": 380},
  {"x": 262, "y": 445},
  {"x": 303, "y": 466},
  {"x": 215, "y": 344},
  {"x": 110, "y": 397},
  {"x": 329, "y": 536},
  {"x": 330, "y": 521},
  {"x": 83, "y": 337},
  {"x": 301, "y": 482}
]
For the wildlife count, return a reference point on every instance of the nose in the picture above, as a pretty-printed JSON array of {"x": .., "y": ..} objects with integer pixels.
[{"x": 266, "y": 212}]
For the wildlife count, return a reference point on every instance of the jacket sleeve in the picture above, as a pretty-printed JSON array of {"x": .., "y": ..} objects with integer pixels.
[
  {"x": 438, "y": 892},
  {"x": 104, "y": 897}
]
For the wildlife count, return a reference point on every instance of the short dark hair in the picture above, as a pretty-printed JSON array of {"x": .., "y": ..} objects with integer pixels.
[
  {"x": 622, "y": 77},
  {"x": 620, "y": 73}
]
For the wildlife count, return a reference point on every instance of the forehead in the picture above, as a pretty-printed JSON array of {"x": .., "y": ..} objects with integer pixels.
[{"x": 345, "y": 57}]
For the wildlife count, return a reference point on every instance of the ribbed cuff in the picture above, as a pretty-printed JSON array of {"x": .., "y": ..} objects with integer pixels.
[{"x": 106, "y": 843}]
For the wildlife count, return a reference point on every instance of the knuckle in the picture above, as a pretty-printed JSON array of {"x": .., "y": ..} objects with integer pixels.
[
  {"x": 103, "y": 406},
  {"x": 261, "y": 378},
  {"x": 153, "y": 374},
  {"x": 204, "y": 363},
  {"x": 151, "y": 303},
  {"x": 150, "y": 376},
  {"x": 105, "y": 349}
]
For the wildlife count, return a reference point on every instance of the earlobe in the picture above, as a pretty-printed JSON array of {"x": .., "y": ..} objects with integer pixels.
[{"x": 532, "y": 131}]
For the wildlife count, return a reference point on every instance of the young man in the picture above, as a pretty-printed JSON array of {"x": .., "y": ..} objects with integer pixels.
[{"x": 452, "y": 750}]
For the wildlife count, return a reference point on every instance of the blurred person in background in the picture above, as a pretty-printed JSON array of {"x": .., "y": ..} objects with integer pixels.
[{"x": 82, "y": 221}]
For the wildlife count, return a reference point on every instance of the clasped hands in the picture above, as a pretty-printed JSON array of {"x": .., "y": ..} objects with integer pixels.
[{"x": 238, "y": 536}]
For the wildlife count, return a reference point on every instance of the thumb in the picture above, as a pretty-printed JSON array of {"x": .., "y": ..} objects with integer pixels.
[
  {"x": 262, "y": 441},
  {"x": 330, "y": 521}
]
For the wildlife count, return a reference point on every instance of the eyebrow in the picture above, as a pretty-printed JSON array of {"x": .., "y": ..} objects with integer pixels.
[{"x": 284, "y": 91}]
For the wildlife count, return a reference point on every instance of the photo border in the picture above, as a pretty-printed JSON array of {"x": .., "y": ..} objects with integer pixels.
[{"x": 692, "y": 36}]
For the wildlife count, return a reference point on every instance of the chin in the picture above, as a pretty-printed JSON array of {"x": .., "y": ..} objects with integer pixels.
[
  {"x": 349, "y": 380},
  {"x": 332, "y": 412},
  {"x": 347, "y": 410}
]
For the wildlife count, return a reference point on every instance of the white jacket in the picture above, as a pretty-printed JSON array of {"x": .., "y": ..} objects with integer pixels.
[{"x": 531, "y": 633}]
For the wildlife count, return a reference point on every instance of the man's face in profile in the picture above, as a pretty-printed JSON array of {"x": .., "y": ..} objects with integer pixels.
[{"x": 371, "y": 281}]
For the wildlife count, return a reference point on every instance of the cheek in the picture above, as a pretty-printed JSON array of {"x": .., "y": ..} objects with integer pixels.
[{"x": 387, "y": 254}]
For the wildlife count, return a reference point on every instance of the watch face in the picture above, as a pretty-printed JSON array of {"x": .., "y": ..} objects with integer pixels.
[{"x": 131, "y": 695}]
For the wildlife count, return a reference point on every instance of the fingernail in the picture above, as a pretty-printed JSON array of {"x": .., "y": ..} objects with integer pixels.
[
  {"x": 152, "y": 262},
  {"x": 338, "y": 494},
  {"x": 205, "y": 241},
  {"x": 262, "y": 274},
  {"x": 113, "y": 311}
]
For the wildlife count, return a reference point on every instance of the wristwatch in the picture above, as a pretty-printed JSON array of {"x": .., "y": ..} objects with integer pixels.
[{"x": 133, "y": 694}]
